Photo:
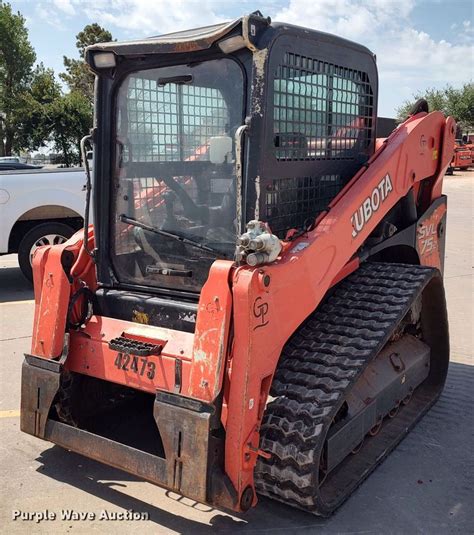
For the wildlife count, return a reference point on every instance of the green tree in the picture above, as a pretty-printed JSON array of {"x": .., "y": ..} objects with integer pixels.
[
  {"x": 35, "y": 124},
  {"x": 460, "y": 104},
  {"x": 16, "y": 62},
  {"x": 78, "y": 76},
  {"x": 456, "y": 102},
  {"x": 71, "y": 119}
]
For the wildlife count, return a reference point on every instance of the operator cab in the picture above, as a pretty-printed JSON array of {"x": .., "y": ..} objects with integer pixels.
[
  {"x": 199, "y": 132},
  {"x": 175, "y": 172}
]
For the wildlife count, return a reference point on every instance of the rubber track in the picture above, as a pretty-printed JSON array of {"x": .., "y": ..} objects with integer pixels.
[{"x": 319, "y": 366}]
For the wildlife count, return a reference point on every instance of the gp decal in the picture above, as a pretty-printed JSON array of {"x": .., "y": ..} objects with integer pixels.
[
  {"x": 371, "y": 204},
  {"x": 260, "y": 310}
]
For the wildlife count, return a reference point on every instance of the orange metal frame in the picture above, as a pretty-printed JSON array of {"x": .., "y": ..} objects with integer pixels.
[{"x": 265, "y": 305}]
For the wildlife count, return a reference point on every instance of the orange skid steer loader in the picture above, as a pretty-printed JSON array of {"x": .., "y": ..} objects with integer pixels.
[
  {"x": 463, "y": 157},
  {"x": 259, "y": 308}
]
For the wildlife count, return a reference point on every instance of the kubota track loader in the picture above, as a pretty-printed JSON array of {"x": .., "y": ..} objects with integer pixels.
[
  {"x": 291, "y": 364},
  {"x": 462, "y": 157}
]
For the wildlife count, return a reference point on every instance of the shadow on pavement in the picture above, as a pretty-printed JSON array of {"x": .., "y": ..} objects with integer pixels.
[
  {"x": 105, "y": 483},
  {"x": 408, "y": 493},
  {"x": 14, "y": 286},
  {"x": 98, "y": 480}
]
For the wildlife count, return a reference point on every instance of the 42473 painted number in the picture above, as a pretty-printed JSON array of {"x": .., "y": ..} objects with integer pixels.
[{"x": 140, "y": 365}]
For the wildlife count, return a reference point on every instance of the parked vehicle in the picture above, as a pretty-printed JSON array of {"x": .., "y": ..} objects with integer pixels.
[
  {"x": 13, "y": 166},
  {"x": 463, "y": 156},
  {"x": 39, "y": 207},
  {"x": 10, "y": 159}
]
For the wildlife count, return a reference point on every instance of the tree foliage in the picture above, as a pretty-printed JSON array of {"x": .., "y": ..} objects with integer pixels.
[
  {"x": 34, "y": 112},
  {"x": 70, "y": 120},
  {"x": 460, "y": 104},
  {"x": 456, "y": 102},
  {"x": 33, "y": 127},
  {"x": 78, "y": 76},
  {"x": 72, "y": 113},
  {"x": 16, "y": 62},
  {"x": 49, "y": 117}
]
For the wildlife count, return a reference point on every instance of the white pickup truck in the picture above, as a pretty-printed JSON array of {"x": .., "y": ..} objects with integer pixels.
[{"x": 39, "y": 207}]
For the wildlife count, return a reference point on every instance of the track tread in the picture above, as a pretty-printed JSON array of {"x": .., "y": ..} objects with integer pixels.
[{"x": 318, "y": 365}]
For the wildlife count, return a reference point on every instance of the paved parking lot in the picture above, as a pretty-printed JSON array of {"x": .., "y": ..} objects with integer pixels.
[{"x": 425, "y": 486}]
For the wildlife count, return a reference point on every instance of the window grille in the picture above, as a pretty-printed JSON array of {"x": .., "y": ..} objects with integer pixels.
[
  {"x": 173, "y": 122},
  {"x": 295, "y": 202},
  {"x": 321, "y": 111}
]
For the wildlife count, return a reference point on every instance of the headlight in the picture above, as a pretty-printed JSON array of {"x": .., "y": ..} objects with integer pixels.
[{"x": 104, "y": 60}]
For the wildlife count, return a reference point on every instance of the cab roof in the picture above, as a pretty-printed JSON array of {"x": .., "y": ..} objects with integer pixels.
[{"x": 204, "y": 37}]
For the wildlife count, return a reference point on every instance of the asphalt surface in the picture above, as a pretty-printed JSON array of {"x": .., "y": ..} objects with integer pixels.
[{"x": 425, "y": 486}]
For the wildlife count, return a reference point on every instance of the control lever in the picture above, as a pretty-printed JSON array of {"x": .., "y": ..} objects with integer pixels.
[{"x": 170, "y": 222}]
